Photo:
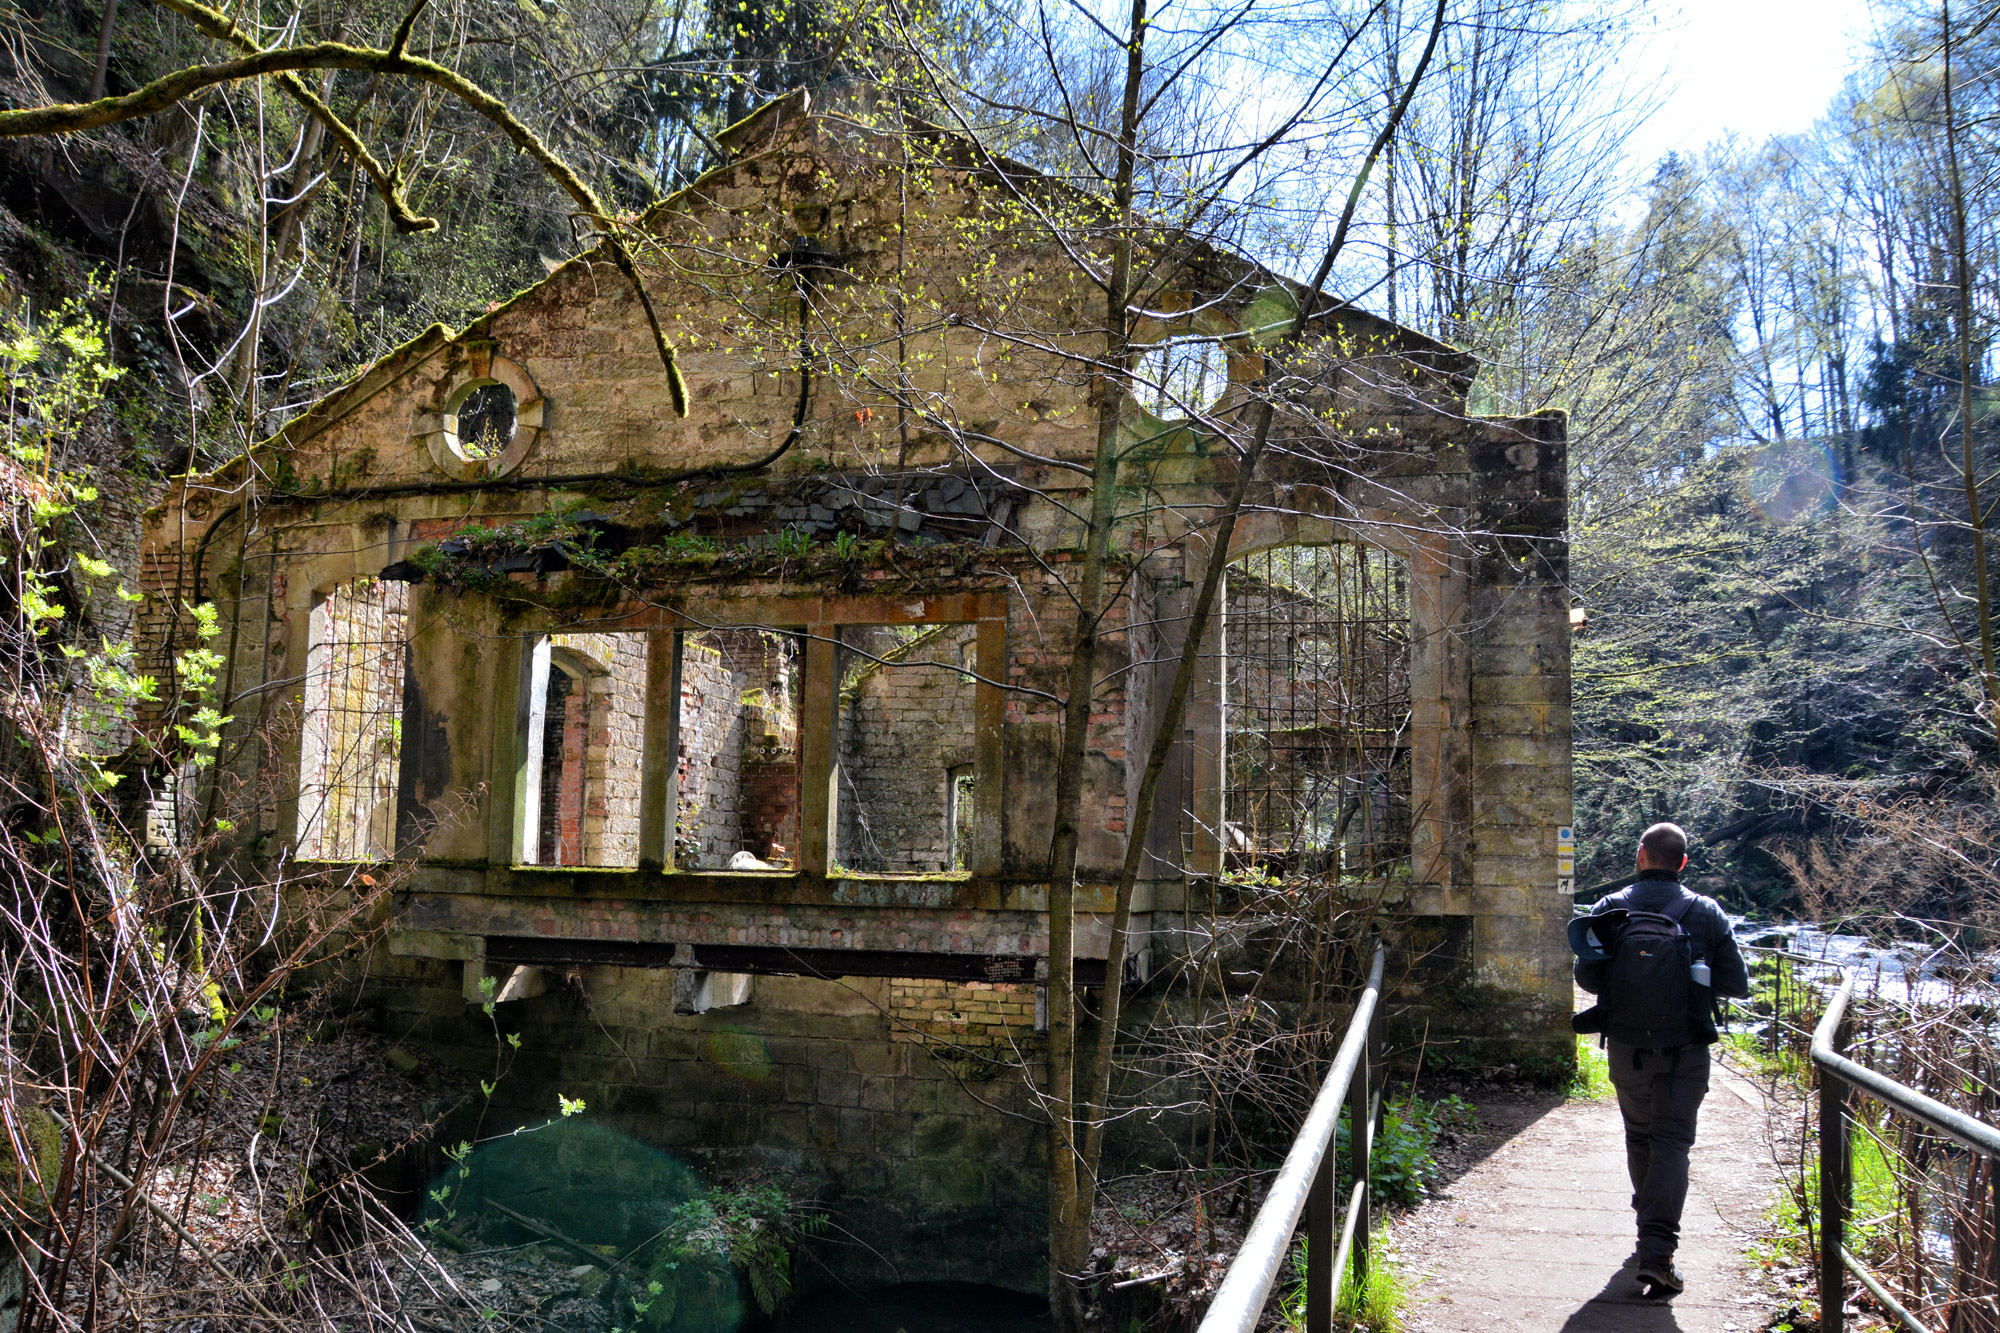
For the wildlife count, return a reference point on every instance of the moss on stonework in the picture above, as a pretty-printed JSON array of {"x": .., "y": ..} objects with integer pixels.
[
  {"x": 28, "y": 1190},
  {"x": 838, "y": 871},
  {"x": 1498, "y": 1026},
  {"x": 676, "y": 559}
]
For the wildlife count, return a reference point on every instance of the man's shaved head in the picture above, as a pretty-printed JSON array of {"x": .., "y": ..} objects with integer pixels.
[{"x": 1663, "y": 847}]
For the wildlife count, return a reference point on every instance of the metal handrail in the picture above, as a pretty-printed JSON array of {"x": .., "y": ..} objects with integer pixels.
[
  {"x": 1305, "y": 1186},
  {"x": 1837, "y": 1073}
]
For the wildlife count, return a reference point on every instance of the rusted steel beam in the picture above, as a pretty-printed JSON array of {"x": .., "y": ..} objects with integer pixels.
[{"x": 777, "y": 960}]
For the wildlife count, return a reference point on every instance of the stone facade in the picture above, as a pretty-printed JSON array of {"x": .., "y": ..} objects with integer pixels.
[
  {"x": 716, "y": 714},
  {"x": 709, "y": 821},
  {"x": 935, "y": 1160}
]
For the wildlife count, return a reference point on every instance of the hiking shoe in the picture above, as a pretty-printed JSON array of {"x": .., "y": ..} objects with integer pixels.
[{"x": 1661, "y": 1279}]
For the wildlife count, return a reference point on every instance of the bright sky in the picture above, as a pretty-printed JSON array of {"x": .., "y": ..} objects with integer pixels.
[{"x": 1758, "y": 67}]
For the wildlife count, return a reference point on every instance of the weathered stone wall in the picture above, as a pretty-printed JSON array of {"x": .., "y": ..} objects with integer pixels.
[
  {"x": 565, "y": 721},
  {"x": 904, "y": 726},
  {"x": 711, "y": 757},
  {"x": 1519, "y": 703},
  {"x": 771, "y": 805},
  {"x": 971, "y": 1014},
  {"x": 935, "y": 1163},
  {"x": 1039, "y": 620}
]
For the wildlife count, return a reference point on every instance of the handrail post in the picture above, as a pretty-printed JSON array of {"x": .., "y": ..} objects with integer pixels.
[
  {"x": 1360, "y": 1136},
  {"x": 1238, "y": 1304},
  {"x": 1777, "y": 1007},
  {"x": 1834, "y": 1170},
  {"x": 1320, "y": 1243}
]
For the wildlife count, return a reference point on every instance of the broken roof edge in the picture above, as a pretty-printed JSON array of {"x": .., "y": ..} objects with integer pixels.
[
  {"x": 795, "y": 109},
  {"x": 377, "y": 375},
  {"x": 1459, "y": 365}
]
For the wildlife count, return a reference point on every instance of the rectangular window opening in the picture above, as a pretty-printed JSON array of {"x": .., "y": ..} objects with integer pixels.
[
  {"x": 738, "y": 803},
  {"x": 352, "y": 732},
  {"x": 586, "y": 727},
  {"x": 1317, "y": 738},
  {"x": 903, "y": 784}
]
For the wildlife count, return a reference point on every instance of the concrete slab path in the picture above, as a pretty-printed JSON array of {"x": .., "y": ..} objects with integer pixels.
[{"x": 1537, "y": 1237}]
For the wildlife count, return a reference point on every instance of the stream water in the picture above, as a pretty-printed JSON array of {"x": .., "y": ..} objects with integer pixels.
[{"x": 1912, "y": 971}]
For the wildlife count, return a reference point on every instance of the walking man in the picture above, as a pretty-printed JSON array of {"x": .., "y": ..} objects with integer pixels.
[{"x": 1657, "y": 956}]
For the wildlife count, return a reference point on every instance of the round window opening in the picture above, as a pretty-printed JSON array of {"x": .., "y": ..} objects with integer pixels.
[{"x": 483, "y": 426}]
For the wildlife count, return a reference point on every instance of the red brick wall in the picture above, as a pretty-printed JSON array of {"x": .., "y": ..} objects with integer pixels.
[{"x": 770, "y": 806}]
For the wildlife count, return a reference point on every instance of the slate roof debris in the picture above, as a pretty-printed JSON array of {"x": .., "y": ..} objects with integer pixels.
[{"x": 914, "y": 508}]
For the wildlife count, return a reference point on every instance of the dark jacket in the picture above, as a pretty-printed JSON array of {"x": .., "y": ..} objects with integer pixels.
[{"x": 1705, "y": 921}]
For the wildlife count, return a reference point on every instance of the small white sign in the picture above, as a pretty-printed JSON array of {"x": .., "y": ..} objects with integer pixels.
[{"x": 1566, "y": 886}]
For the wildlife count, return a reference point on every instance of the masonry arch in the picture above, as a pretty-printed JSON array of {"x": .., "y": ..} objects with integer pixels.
[
  {"x": 485, "y": 419},
  {"x": 1190, "y": 363},
  {"x": 1316, "y": 736}
]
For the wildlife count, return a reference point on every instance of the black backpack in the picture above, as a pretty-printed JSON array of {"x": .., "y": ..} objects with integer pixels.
[{"x": 1649, "y": 1000}]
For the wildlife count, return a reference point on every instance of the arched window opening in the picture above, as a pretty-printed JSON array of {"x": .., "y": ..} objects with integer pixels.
[
  {"x": 1317, "y": 760},
  {"x": 352, "y": 732}
]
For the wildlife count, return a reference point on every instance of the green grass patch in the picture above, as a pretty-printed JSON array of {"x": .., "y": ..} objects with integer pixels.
[
  {"x": 1376, "y": 1306},
  {"x": 1792, "y": 1224},
  {"x": 1592, "y": 1082},
  {"x": 1749, "y": 1050}
]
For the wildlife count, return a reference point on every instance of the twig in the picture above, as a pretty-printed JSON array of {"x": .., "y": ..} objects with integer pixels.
[
  {"x": 194, "y": 1242},
  {"x": 577, "y": 1248}
]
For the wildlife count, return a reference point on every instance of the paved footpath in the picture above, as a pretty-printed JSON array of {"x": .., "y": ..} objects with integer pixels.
[{"x": 1537, "y": 1237}]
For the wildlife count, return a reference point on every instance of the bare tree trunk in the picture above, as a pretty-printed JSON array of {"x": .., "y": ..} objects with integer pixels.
[
  {"x": 1069, "y": 1218},
  {"x": 1975, "y": 515},
  {"x": 105, "y": 31},
  {"x": 1092, "y": 1108}
]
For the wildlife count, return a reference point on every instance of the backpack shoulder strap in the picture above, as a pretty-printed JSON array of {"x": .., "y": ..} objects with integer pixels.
[{"x": 1677, "y": 911}]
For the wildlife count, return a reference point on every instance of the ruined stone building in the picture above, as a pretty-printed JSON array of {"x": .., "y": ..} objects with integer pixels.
[{"x": 721, "y": 748}]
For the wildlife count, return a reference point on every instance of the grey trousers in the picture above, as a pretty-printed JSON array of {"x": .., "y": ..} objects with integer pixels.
[{"x": 1659, "y": 1094}]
